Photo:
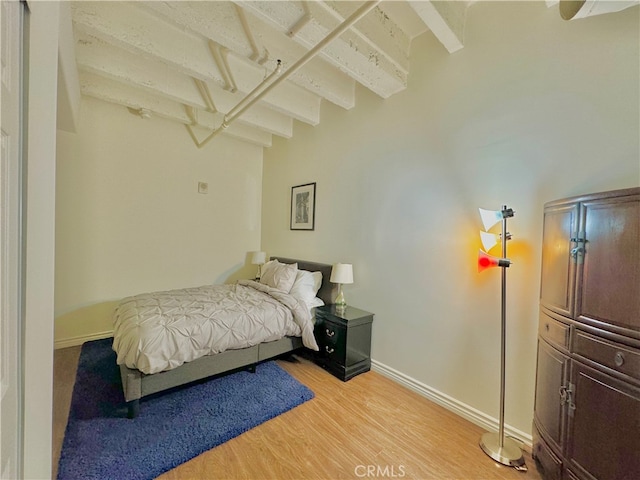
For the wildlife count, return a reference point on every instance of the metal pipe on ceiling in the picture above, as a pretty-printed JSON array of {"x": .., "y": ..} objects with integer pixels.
[
  {"x": 256, "y": 55},
  {"x": 225, "y": 123},
  {"x": 365, "y": 8},
  {"x": 269, "y": 84},
  {"x": 219, "y": 55},
  {"x": 306, "y": 18},
  {"x": 253, "y": 93}
]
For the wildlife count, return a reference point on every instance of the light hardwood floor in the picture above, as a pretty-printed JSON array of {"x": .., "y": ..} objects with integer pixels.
[{"x": 369, "y": 427}]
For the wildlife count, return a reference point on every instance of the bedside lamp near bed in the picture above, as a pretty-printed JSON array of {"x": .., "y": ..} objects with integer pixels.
[
  {"x": 259, "y": 258},
  {"x": 341, "y": 273}
]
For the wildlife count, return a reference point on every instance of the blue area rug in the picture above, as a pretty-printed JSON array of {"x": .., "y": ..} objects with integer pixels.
[{"x": 101, "y": 443}]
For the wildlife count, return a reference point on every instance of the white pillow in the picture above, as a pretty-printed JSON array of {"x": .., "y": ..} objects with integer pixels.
[
  {"x": 306, "y": 287},
  {"x": 316, "y": 302},
  {"x": 280, "y": 276}
]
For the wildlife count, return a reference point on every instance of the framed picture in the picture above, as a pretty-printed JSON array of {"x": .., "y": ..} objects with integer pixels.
[{"x": 303, "y": 207}]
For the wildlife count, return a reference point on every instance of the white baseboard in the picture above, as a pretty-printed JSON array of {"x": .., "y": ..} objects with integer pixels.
[
  {"x": 450, "y": 403},
  {"x": 73, "y": 341}
]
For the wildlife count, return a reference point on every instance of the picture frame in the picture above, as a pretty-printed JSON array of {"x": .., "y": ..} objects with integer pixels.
[{"x": 303, "y": 207}]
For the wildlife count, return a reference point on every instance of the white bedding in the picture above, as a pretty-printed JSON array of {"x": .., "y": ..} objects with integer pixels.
[{"x": 159, "y": 331}]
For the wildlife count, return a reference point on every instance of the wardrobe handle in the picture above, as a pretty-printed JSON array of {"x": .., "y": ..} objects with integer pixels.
[
  {"x": 576, "y": 250},
  {"x": 564, "y": 396}
]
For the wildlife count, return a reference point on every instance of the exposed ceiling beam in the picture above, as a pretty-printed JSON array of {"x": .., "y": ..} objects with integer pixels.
[
  {"x": 99, "y": 57},
  {"x": 98, "y": 22},
  {"x": 154, "y": 77},
  {"x": 376, "y": 31},
  {"x": 352, "y": 52},
  {"x": 209, "y": 63},
  {"x": 115, "y": 92},
  {"x": 288, "y": 99},
  {"x": 445, "y": 19},
  {"x": 131, "y": 28},
  {"x": 222, "y": 23}
]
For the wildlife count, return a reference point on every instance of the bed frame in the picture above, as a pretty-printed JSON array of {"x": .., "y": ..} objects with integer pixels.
[{"x": 136, "y": 384}]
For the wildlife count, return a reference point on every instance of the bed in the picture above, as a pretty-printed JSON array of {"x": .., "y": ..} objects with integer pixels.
[{"x": 142, "y": 369}]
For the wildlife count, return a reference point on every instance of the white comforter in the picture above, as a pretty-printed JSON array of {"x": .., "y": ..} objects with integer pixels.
[{"x": 162, "y": 330}]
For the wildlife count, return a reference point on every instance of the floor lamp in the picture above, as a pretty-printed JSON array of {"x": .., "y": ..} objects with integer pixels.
[{"x": 503, "y": 450}]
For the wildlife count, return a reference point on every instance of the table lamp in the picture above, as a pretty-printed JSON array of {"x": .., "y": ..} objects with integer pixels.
[
  {"x": 341, "y": 273},
  {"x": 259, "y": 258}
]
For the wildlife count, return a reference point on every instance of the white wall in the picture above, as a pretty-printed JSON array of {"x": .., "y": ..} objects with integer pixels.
[
  {"x": 129, "y": 218},
  {"x": 532, "y": 109}
]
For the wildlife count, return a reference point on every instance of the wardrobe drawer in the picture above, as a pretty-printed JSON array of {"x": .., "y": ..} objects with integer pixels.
[
  {"x": 615, "y": 356},
  {"x": 553, "y": 331},
  {"x": 546, "y": 460}
]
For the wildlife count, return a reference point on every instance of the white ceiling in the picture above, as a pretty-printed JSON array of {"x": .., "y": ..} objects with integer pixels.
[
  {"x": 194, "y": 62},
  {"x": 197, "y": 62}
]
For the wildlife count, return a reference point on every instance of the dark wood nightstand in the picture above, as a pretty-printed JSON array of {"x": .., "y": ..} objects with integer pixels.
[{"x": 344, "y": 338}]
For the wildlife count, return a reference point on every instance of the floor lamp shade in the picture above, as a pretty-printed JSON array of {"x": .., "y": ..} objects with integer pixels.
[
  {"x": 491, "y": 217},
  {"x": 489, "y": 240}
]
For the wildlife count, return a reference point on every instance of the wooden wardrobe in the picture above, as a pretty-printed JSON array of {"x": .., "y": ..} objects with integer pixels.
[{"x": 587, "y": 406}]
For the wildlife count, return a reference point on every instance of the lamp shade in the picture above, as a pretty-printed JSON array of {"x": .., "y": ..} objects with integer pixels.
[
  {"x": 489, "y": 240},
  {"x": 490, "y": 217},
  {"x": 487, "y": 261},
  {"x": 342, "y": 273},
  {"x": 258, "y": 258}
]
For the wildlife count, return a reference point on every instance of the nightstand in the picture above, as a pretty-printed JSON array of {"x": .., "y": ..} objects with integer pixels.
[{"x": 344, "y": 338}]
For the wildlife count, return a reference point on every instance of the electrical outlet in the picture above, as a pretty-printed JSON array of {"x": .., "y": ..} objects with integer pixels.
[{"x": 203, "y": 187}]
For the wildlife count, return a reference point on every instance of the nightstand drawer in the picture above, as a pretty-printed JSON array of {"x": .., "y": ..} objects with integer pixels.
[
  {"x": 334, "y": 352},
  {"x": 330, "y": 333},
  {"x": 331, "y": 340}
]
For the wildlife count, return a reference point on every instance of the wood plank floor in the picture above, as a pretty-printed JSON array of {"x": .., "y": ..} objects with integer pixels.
[{"x": 369, "y": 427}]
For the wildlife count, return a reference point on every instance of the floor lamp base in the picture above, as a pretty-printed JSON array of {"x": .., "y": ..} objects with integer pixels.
[{"x": 509, "y": 454}]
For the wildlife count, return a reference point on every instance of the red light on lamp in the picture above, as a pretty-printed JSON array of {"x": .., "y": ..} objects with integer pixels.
[{"x": 487, "y": 261}]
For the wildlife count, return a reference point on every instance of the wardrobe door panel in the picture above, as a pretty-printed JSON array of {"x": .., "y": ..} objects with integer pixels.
[
  {"x": 558, "y": 268},
  {"x": 608, "y": 283}
]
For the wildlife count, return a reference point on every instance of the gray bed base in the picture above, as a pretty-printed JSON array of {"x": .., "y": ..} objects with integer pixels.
[{"x": 136, "y": 384}]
